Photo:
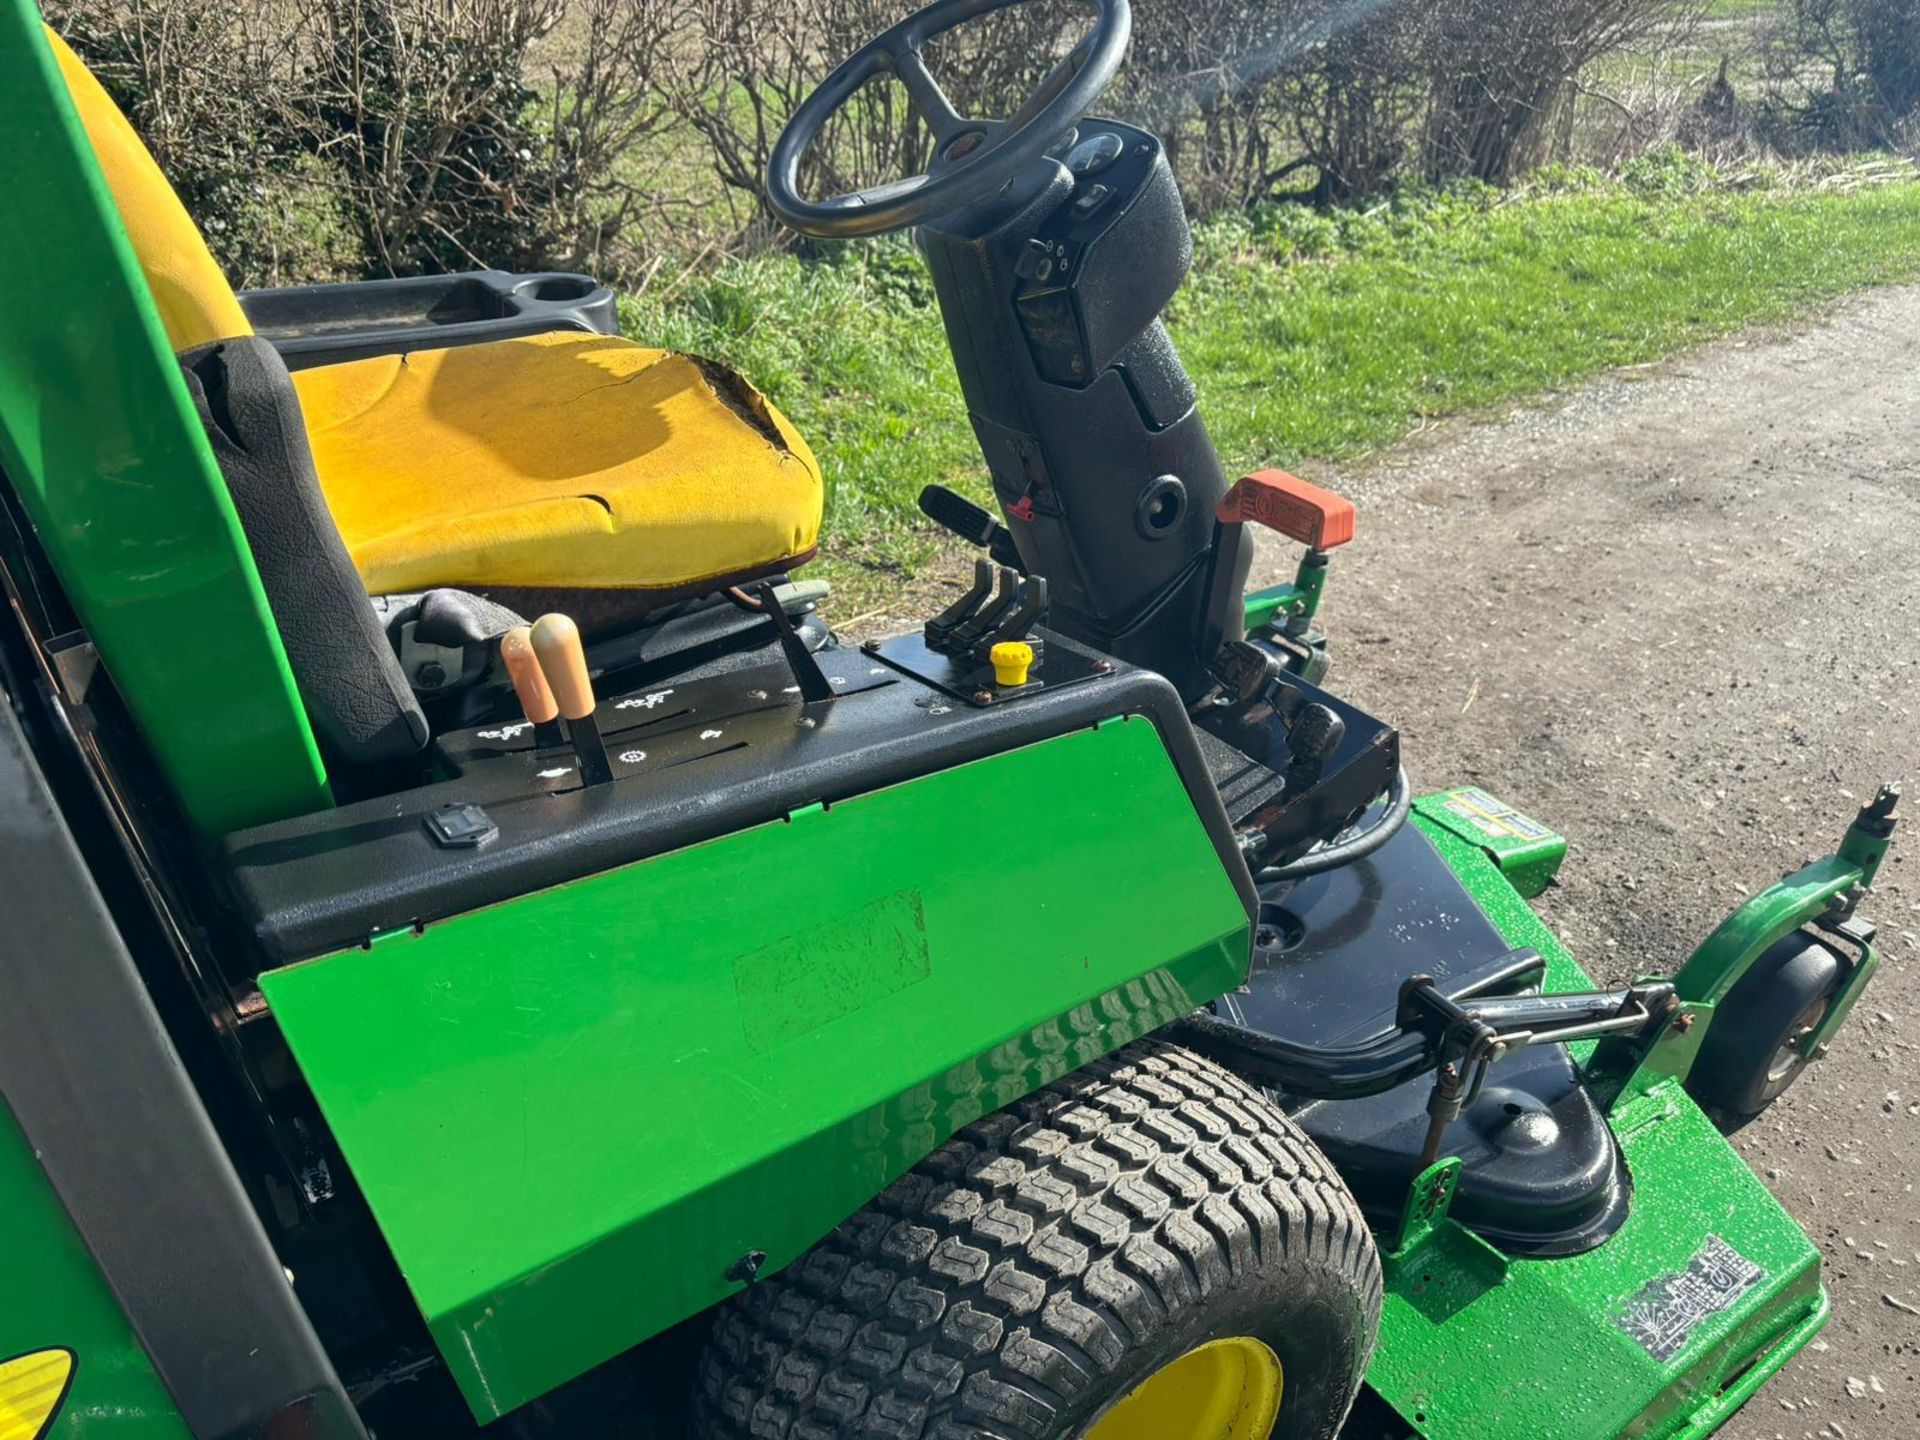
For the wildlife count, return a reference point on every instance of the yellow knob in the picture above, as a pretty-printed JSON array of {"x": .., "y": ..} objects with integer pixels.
[{"x": 1011, "y": 661}]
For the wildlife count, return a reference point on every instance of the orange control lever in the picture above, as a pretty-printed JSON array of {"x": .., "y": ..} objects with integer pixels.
[
  {"x": 563, "y": 660},
  {"x": 1318, "y": 519},
  {"x": 529, "y": 681}
]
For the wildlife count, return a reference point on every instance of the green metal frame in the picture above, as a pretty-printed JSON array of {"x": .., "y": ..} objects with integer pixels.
[
  {"x": 588, "y": 1113},
  {"x": 578, "y": 1115},
  {"x": 100, "y": 443},
  {"x": 1526, "y": 852}
]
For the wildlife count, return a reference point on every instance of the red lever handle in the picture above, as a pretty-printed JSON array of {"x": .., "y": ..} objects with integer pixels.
[{"x": 1318, "y": 519}]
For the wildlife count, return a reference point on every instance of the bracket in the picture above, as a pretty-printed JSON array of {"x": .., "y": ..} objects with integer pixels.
[{"x": 1429, "y": 1200}]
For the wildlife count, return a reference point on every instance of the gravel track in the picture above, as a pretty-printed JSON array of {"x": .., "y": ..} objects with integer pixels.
[{"x": 1677, "y": 616}]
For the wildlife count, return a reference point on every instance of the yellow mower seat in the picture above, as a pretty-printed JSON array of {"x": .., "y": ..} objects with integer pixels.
[
  {"x": 560, "y": 460},
  {"x": 555, "y": 462}
]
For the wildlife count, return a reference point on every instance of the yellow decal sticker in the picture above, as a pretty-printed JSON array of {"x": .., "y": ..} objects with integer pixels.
[{"x": 31, "y": 1389}]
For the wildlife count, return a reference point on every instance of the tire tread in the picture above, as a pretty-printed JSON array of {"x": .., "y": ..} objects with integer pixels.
[{"x": 1017, "y": 1266}]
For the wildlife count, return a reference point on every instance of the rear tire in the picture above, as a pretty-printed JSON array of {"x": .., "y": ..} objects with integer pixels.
[
  {"x": 1031, "y": 1273},
  {"x": 1750, "y": 1056}
]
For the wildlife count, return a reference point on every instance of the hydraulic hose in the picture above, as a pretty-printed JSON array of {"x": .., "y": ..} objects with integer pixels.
[{"x": 1356, "y": 847}]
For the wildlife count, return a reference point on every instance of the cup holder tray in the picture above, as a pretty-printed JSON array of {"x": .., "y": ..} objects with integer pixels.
[{"x": 324, "y": 324}]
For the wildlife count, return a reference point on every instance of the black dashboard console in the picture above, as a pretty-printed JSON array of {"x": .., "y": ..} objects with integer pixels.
[{"x": 697, "y": 754}]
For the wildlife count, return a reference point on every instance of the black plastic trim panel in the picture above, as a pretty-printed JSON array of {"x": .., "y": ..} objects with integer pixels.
[
  {"x": 94, "y": 1082},
  {"x": 335, "y": 878},
  {"x": 327, "y": 324}
]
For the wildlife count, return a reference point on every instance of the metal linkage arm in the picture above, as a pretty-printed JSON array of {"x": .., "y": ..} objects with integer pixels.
[
  {"x": 1469, "y": 1040},
  {"x": 1457, "y": 1035},
  {"x": 1347, "y": 1072}
]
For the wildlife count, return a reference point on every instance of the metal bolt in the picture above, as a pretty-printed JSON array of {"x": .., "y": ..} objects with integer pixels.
[
  {"x": 872, "y": 647},
  {"x": 744, "y": 1270},
  {"x": 1684, "y": 1023},
  {"x": 983, "y": 697},
  {"x": 1103, "y": 667},
  {"x": 432, "y": 674}
]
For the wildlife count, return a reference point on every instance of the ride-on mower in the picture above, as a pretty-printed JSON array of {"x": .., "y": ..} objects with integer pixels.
[{"x": 479, "y": 953}]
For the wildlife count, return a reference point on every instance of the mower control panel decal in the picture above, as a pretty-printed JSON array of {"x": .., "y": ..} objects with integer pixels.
[
  {"x": 1494, "y": 819},
  {"x": 1667, "y": 1311}
]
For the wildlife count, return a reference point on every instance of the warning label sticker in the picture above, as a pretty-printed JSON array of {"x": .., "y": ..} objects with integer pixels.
[
  {"x": 1667, "y": 1311},
  {"x": 1494, "y": 818}
]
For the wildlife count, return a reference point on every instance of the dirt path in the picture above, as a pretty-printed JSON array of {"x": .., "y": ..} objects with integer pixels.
[{"x": 1678, "y": 617}]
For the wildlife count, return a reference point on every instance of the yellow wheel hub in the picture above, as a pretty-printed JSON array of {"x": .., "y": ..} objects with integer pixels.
[{"x": 1225, "y": 1390}]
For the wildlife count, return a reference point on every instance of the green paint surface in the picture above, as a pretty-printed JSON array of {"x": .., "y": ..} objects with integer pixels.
[
  {"x": 98, "y": 439},
  {"x": 573, "y": 1112},
  {"x": 52, "y": 1297},
  {"x": 1473, "y": 1349}
]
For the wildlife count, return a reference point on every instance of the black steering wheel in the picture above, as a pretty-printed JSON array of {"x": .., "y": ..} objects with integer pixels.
[{"x": 971, "y": 158}]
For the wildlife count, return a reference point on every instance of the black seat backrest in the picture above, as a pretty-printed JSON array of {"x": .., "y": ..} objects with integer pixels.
[{"x": 357, "y": 699}]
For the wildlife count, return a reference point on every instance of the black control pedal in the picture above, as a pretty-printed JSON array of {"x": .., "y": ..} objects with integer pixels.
[{"x": 940, "y": 628}]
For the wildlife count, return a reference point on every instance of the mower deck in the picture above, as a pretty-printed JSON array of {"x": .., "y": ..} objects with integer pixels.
[{"x": 1661, "y": 1333}]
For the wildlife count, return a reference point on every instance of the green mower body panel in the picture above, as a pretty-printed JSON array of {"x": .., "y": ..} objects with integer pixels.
[
  {"x": 585, "y": 1114},
  {"x": 1658, "y": 1334},
  {"x": 577, "y": 1116},
  {"x": 53, "y": 1297}
]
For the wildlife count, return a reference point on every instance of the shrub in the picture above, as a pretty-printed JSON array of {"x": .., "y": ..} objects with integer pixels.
[
  {"x": 205, "y": 90},
  {"x": 424, "y": 108},
  {"x": 1846, "y": 73},
  {"x": 606, "y": 104},
  {"x": 748, "y": 64},
  {"x": 1502, "y": 75}
]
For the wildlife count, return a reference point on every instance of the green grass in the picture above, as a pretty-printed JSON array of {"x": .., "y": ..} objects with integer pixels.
[{"x": 1310, "y": 336}]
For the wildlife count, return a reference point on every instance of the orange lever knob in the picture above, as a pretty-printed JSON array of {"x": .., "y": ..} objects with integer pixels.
[
  {"x": 563, "y": 659},
  {"x": 1316, "y": 518},
  {"x": 529, "y": 681}
]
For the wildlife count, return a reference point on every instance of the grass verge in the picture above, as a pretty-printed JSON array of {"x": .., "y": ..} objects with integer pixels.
[{"x": 1310, "y": 335}]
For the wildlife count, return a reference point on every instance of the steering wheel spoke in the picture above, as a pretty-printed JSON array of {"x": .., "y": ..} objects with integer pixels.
[{"x": 910, "y": 67}]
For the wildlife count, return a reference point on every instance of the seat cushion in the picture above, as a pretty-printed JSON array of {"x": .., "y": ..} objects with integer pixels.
[{"x": 559, "y": 461}]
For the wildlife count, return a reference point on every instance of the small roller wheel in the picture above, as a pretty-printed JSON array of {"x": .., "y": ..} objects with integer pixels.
[
  {"x": 1144, "y": 1250},
  {"x": 1755, "y": 1047}
]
